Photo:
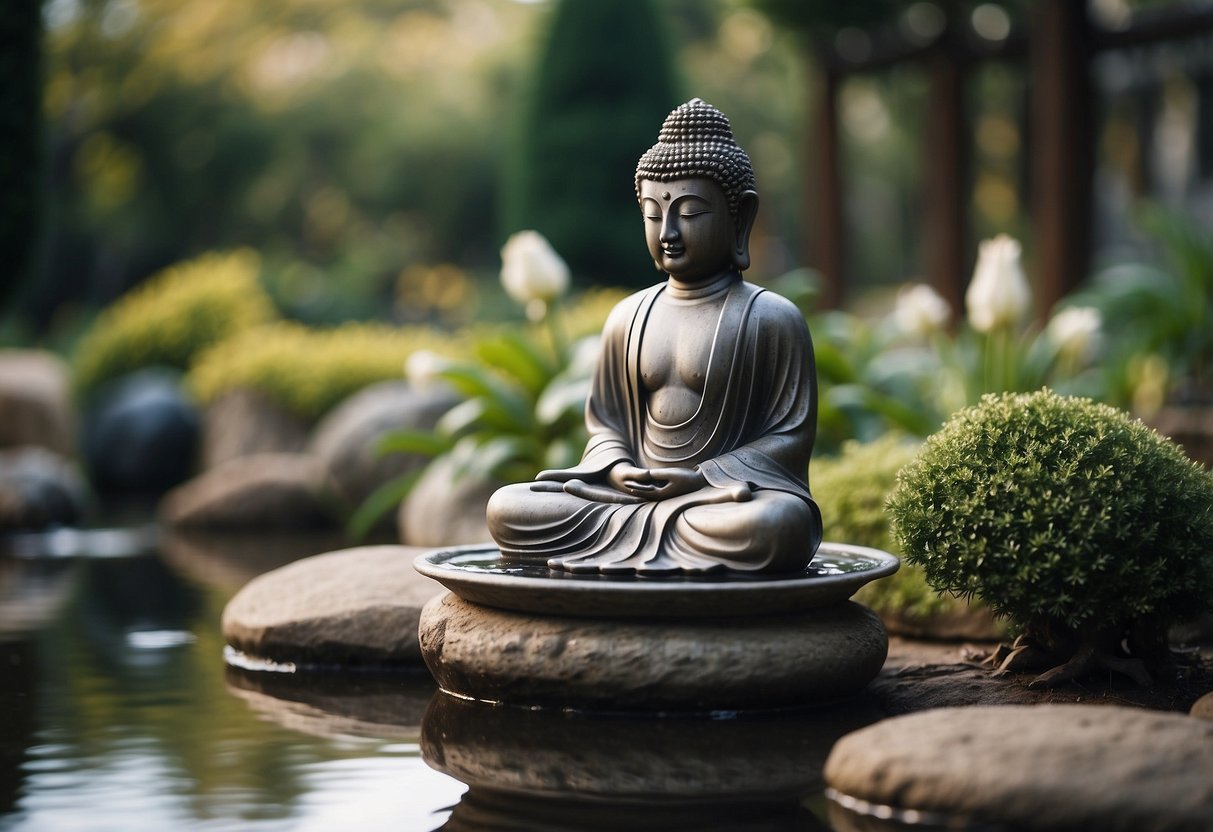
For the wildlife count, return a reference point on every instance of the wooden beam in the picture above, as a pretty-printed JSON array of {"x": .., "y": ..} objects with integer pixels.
[
  {"x": 825, "y": 237},
  {"x": 1062, "y": 147},
  {"x": 945, "y": 166}
]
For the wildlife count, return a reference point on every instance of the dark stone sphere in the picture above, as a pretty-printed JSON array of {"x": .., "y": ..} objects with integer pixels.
[{"x": 140, "y": 434}]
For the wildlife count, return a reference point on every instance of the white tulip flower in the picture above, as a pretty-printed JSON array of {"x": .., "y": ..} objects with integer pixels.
[
  {"x": 998, "y": 295},
  {"x": 422, "y": 367},
  {"x": 1075, "y": 331},
  {"x": 920, "y": 310},
  {"x": 532, "y": 272}
]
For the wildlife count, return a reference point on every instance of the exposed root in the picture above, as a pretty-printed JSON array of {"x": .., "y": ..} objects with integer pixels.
[{"x": 1067, "y": 655}]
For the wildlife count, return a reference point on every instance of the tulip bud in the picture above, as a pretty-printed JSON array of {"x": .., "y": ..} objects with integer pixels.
[
  {"x": 422, "y": 367},
  {"x": 531, "y": 270},
  {"x": 1075, "y": 331},
  {"x": 920, "y": 310},
  {"x": 998, "y": 295}
]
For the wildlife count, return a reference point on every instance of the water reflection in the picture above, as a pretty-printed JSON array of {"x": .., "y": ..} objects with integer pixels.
[
  {"x": 543, "y": 769},
  {"x": 338, "y": 705},
  {"x": 115, "y": 713}
]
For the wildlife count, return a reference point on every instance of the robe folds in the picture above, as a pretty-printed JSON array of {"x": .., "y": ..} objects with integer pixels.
[{"x": 750, "y": 438}]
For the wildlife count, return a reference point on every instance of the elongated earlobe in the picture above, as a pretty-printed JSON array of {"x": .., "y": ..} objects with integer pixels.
[{"x": 747, "y": 210}]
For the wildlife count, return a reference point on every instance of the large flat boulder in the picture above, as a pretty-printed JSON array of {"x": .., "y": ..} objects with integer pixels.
[
  {"x": 1043, "y": 767},
  {"x": 35, "y": 400},
  {"x": 354, "y": 607}
]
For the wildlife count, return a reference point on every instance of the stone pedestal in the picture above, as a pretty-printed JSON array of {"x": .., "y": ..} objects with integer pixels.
[
  {"x": 523, "y": 636},
  {"x": 719, "y": 664}
]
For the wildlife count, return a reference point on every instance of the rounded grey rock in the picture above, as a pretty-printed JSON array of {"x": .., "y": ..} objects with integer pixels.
[
  {"x": 1042, "y": 767},
  {"x": 347, "y": 438},
  {"x": 446, "y": 507},
  {"x": 262, "y": 491},
  {"x": 356, "y": 606},
  {"x": 720, "y": 664}
]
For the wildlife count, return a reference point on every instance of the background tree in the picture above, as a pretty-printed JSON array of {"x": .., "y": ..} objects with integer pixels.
[
  {"x": 603, "y": 84},
  {"x": 20, "y": 137}
]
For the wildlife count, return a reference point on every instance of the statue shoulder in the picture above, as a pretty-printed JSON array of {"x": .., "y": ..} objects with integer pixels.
[
  {"x": 622, "y": 314},
  {"x": 779, "y": 310}
]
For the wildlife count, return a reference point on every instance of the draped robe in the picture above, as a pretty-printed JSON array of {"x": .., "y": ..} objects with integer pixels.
[{"x": 750, "y": 439}]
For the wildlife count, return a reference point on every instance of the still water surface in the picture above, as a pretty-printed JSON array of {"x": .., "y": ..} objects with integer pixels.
[{"x": 117, "y": 712}]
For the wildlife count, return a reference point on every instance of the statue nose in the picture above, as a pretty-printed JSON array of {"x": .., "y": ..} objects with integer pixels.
[{"x": 669, "y": 230}]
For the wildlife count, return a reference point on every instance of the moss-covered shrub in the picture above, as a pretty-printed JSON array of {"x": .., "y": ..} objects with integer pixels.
[
  {"x": 172, "y": 316},
  {"x": 851, "y": 489},
  {"x": 308, "y": 371},
  {"x": 1078, "y": 523}
]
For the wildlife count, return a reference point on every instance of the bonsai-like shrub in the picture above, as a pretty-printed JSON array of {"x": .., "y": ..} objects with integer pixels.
[
  {"x": 1085, "y": 528},
  {"x": 172, "y": 316},
  {"x": 308, "y": 371},
  {"x": 851, "y": 489}
]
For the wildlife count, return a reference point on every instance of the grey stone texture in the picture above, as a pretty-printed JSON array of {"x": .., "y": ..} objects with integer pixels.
[
  {"x": 244, "y": 422},
  {"x": 347, "y": 437},
  {"x": 445, "y": 509},
  {"x": 1043, "y": 767},
  {"x": 263, "y": 491},
  {"x": 351, "y": 607},
  {"x": 35, "y": 401},
  {"x": 752, "y": 663}
]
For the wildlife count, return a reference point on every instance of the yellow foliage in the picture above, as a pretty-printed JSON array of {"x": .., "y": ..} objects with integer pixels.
[
  {"x": 169, "y": 318},
  {"x": 306, "y": 370}
]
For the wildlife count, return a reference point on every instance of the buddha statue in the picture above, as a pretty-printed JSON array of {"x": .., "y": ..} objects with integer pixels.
[{"x": 703, "y": 408}]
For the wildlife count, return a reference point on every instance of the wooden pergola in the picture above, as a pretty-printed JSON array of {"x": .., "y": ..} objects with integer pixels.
[{"x": 1058, "y": 46}]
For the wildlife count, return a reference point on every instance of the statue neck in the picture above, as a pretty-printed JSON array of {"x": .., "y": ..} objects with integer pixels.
[{"x": 675, "y": 288}]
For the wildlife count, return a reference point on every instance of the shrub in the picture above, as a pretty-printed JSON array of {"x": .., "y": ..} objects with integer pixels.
[
  {"x": 851, "y": 489},
  {"x": 308, "y": 371},
  {"x": 171, "y": 317},
  {"x": 1079, "y": 524}
]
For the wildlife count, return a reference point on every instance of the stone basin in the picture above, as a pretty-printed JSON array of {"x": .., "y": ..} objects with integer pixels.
[{"x": 476, "y": 573}]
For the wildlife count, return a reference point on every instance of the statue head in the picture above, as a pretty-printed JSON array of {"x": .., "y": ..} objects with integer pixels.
[{"x": 696, "y": 144}]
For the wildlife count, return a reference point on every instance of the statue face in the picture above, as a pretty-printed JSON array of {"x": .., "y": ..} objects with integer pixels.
[{"x": 688, "y": 228}]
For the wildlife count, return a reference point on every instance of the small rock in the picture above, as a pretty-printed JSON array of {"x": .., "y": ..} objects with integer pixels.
[
  {"x": 39, "y": 488},
  {"x": 1043, "y": 767},
  {"x": 35, "y": 401},
  {"x": 1203, "y": 707},
  {"x": 264, "y": 491},
  {"x": 346, "y": 439},
  {"x": 352, "y": 607},
  {"x": 244, "y": 422},
  {"x": 141, "y": 435},
  {"x": 445, "y": 509}
]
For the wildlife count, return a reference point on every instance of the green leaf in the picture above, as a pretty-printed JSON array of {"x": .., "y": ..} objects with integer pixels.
[
  {"x": 520, "y": 358},
  {"x": 382, "y": 500},
  {"x": 424, "y": 442}
]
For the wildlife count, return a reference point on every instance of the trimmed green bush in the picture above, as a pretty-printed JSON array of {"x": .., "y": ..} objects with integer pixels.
[
  {"x": 1076, "y": 522},
  {"x": 309, "y": 371},
  {"x": 851, "y": 489},
  {"x": 171, "y": 317}
]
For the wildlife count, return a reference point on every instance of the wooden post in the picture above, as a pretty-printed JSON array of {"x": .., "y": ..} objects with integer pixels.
[
  {"x": 825, "y": 240},
  {"x": 1062, "y": 147},
  {"x": 945, "y": 176}
]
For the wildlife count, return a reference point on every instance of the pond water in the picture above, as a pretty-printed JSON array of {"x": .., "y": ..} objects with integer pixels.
[{"x": 118, "y": 712}]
